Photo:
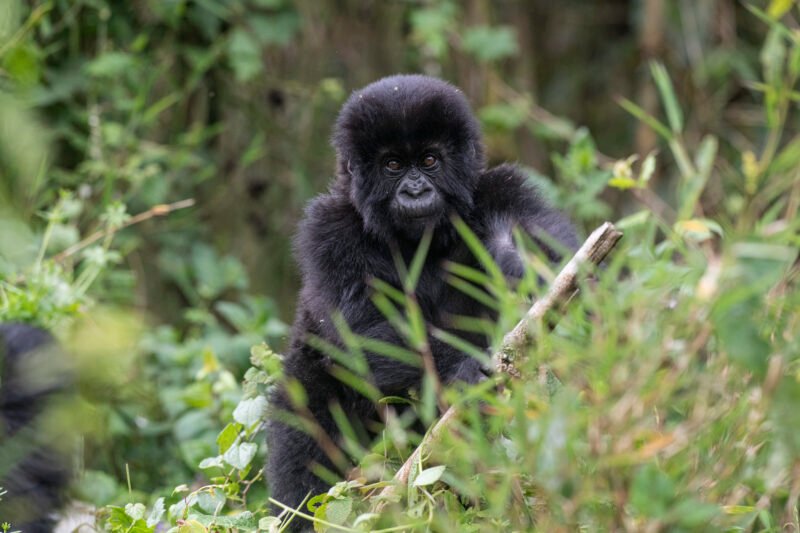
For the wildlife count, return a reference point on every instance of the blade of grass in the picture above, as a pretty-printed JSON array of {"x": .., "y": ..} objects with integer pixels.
[
  {"x": 645, "y": 117},
  {"x": 668, "y": 98}
]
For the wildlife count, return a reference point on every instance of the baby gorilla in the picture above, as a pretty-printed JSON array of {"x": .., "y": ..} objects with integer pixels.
[{"x": 409, "y": 158}]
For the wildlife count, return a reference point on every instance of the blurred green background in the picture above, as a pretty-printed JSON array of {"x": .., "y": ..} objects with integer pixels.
[{"x": 232, "y": 103}]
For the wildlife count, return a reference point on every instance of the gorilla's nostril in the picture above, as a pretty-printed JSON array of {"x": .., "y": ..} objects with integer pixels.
[{"x": 417, "y": 189}]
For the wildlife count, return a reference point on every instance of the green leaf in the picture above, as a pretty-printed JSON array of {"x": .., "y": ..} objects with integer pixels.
[
  {"x": 399, "y": 400},
  {"x": 668, "y": 98},
  {"x": 365, "y": 519},
  {"x": 277, "y": 29},
  {"x": 502, "y": 116},
  {"x": 430, "y": 27},
  {"x": 388, "y": 349},
  {"x": 337, "y": 511},
  {"x": 234, "y": 313},
  {"x": 622, "y": 183},
  {"x": 636, "y": 219},
  {"x": 739, "y": 509},
  {"x": 693, "y": 513},
  {"x": 110, "y": 65},
  {"x": 647, "y": 169},
  {"x": 135, "y": 510},
  {"x": 462, "y": 345},
  {"x": 773, "y": 57},
  {"x": 215, "y": 274},
  {"x": 429, "y": 476},
  {"x": 490, "y": 43},
  {"x": 794, "y": 65},
  {"x": 244, "y": 55},
  {"x": 785, "y": 415},
  {"x": 192, "y": 526},
  {"x": 157, "y": 513},
  {"x": 127, "y": 520},
  {"x": 316, "y": 501},
  {"x": 211, "y": 462},
  {"x": 22, "y": 63},
  {"x": 415, "y": 269},
  {"x": 651, "y": 491},
  {"x": 97, "y": 487},
  {"x": 269, "y": 523},
  {"x": 738, "y": 333},
  {"x": 250, "y": 411},
  {"x": 642, "y": 115},
  {"x": 697, "y": 229},
  {"x": 778, "y": 8},
  {"x": 706, "y": 155},
  {"x": 211, "y": 501},
  {"x": 480, "y": 252},
  {"x": 22, "y": 156},
  {"x": 240, "y": 455},
  {"x": 227, "y": 436}
]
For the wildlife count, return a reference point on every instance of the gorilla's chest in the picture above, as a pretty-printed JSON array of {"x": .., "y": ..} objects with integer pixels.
[{"x": 438, "y": 297}]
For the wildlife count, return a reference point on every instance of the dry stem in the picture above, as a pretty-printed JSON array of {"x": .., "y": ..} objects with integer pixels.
[{"x": 155, "y": 211}]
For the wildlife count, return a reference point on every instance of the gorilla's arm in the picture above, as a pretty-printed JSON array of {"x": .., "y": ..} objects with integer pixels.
[{"x": 506, "y": 199}]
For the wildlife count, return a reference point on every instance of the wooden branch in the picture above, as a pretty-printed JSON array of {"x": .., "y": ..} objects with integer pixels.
[
  {"x": 156, "y": 211},
  {"x": 593, "y": 251}
]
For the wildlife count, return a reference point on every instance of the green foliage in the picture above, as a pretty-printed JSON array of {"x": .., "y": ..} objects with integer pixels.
[
  {"x": 490, "y": 43},
  {"x": 583, "y": 180},
  {"x": 431, "y": 25}
]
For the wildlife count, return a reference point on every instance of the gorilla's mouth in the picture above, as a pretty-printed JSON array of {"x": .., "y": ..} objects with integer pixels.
[
  {"x": 417, "y": 200},
  {"x": 416, "y": 207}
]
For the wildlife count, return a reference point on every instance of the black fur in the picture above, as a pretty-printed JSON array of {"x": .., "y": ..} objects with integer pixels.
[
  {"x": 33, "y": 468},
  {"x": 349, "y": 235}
]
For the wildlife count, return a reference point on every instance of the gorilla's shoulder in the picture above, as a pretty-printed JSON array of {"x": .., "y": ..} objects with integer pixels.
[
  {"x": 330, "y": 234},
  {"x": 506, "y": 188},
  {"x": 329, "y": 215}
]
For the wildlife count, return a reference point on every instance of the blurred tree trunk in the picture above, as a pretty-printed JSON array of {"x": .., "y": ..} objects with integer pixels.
[{"x": 651, "y": 43}]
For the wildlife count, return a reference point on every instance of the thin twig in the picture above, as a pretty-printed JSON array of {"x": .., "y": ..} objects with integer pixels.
[
  {"x": 155, "y": 211},
  {"x": 593, "y": 251}
]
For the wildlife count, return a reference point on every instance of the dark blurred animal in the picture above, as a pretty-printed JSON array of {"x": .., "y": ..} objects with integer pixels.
[
  {"x": 409, "y": 157},
  {"x": 34, "y": 469}
]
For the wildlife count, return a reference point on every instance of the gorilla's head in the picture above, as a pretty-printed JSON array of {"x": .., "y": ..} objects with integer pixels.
[{"x": 409, "y": 153}]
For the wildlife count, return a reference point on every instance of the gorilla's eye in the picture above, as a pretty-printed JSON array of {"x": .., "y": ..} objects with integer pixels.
[
  {"x": 394, "y": 165},
  {"x": 428, "y": 161}
]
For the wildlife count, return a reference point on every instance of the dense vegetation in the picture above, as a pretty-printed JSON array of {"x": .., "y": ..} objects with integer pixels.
[{"x": 155, "y": 157}]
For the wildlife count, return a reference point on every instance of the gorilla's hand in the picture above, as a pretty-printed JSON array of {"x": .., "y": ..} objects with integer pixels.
[
  {"x": 510, "y": 263},
  {"x": 500, "y": 243},
  {"x": 472, "y": 371}
]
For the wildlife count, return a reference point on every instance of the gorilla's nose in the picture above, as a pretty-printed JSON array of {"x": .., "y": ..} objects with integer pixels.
[{"x": 417, "y": 188}]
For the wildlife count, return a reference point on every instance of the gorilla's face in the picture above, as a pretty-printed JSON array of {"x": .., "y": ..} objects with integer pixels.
[
  {"x": 416, "y": 201},
  {"x": 409, "y": 153}
]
